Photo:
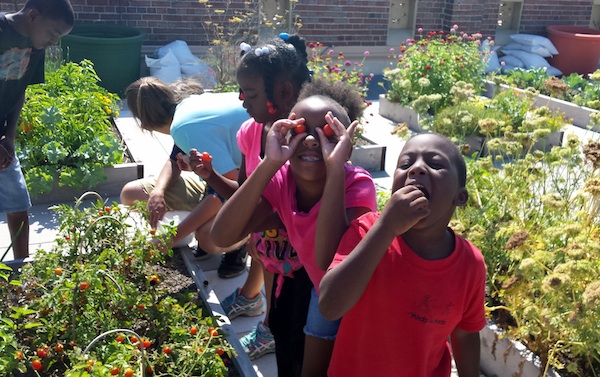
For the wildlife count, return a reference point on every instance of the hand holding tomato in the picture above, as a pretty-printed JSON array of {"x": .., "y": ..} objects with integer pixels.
[
  {"x": 201, "y": 163},
  {"x": 336, "y": 140},
  {"x": 279, "y": 146}
]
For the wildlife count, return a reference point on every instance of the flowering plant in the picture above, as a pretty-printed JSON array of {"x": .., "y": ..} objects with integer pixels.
[
  {"x": 535, "y": 220},
  {"x": 426, "y": 69}
]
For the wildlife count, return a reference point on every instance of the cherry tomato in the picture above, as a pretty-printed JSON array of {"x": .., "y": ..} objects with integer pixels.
[
  {"x": 147, "y": 343},
  {"x": 328, "y": 131},
  {"x": 206, "y": 157},
  {"x": 152, "y": 231},
  {"x": 107, "y": 209},
  {"x": 115, "y": 371},
  {"x": 19, "y": 355},
  {"x": 128, "y": 372},
  {"x": 90, "y": 362},
  {"x": 37, "y": 364},
  {"x": 120, "y": 338},
  {"x": 220, "y": 352},
  {"x": 194, "y": 330},
  {"x": 59, "y": 347},
  {"x": 166, "y": 350},
  {"x": 141, "y": 307},
  {"x": 42, "y": 352},
  {"x": 134, "y": 339},
  {"x": 83, "y": 286},
  {"x": 58, "y": 271},
  {"x": 300, "y": 128}
]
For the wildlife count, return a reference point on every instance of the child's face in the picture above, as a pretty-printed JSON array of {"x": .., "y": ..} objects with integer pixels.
[
  {"x": 307, "y": 160},
  {"x": 427, "y": 161},
  {"x": 255, "y": 99},
  {"x": 46, "y": 32}
]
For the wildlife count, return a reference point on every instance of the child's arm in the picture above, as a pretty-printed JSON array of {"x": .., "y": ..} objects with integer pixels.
[
  {"x": 333, "y": 219},
  {"x": 343, "y": 285},
  {"x": 465, "y": 350},
  {"x": 202, "y": 166},
  {"x": 246, "y": 208}
]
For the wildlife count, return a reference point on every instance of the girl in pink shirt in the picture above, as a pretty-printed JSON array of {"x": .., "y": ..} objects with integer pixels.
[{"x": 291, "y": 179}]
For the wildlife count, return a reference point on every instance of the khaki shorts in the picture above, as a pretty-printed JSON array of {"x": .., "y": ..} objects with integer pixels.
[{"x": 184, "y": 195}]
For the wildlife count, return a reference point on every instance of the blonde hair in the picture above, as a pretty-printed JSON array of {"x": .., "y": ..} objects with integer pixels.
[{"x": 153, "y": 102}]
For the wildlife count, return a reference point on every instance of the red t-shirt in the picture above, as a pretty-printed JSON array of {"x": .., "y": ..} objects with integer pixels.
[{"x": 401, "y": 324}]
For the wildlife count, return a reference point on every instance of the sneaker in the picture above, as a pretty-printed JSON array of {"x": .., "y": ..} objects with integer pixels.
[
  {"x": 236, "y": 305},
  {"x": 233, "y": 263},
  {"x": 258, "y": 342},
  {"x": 199, "y": 253}
]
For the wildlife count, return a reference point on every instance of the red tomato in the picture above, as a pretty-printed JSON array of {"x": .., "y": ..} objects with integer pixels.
[
  {"x": 152, "y": 231},
  {"x": 194, "y": 330},
  {"x": 206, "y": 157},
  {"x": 300, "y": 128},
  {"x": 107, "y": 209},
  {"x": 59, "y": 347},
  {"x": 37, "y": 364},
  {"x": 220, "y": 352},
  {"x": 19, "y": 355},
  {"x": 83, "y": 286},
  {"x": 58, "y": 271},
  {"x": 147, "y": 343},
  {"x": 120, "y": 338},
  {"x": 42, "y": 352},
  {"x": 166, "y": 350},
  {"x": 133, "y": 339},
  {"x": 328, "y": 131},
  {"x": 115, "y": 371},
  {"x": 128, "y": 372}
]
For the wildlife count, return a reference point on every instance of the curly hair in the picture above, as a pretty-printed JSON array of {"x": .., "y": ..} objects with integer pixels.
[
  {"x": 283, "y": 58},
  {"x": 342, "y": 93},
  {"x": 60, "y": 10}
]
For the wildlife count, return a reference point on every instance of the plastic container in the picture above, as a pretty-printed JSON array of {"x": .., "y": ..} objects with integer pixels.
[{"x": 578, "y": 48}]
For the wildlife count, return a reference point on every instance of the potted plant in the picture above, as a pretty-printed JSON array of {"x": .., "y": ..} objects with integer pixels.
[
  {"x": 104, "y": 301},
  {"x": 66, "y": 137}
]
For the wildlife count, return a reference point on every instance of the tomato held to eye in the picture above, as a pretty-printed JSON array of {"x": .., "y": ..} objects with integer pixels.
[
  {"x": 300, "y": 128},
  {"x": 206, "y": 157},
  {"x": 327, "y": 130}
]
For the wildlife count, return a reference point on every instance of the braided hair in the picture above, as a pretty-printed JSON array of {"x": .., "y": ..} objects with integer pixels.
[{"x": 279, "y": 59}]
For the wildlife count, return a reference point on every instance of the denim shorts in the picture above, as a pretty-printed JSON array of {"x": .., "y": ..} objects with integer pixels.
[
  {"x": 14, "y": 196},
  {"x": 316, "y": 325}
]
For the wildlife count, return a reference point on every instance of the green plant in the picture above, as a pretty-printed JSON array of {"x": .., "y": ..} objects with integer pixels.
[
  {"x": 102, "y": 299},
  {"x": 536, "y": 221},
  {"x": 425, "y": 70},
  {"x": 65, "y": 132}
]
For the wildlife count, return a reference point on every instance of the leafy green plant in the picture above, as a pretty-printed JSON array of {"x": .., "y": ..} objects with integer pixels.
[
  {"x": 536, "y": 221},
  {"x": 101, "y": 301},
  {"x": 426, "y": 69},
  {"x": 65, "y": 132}
]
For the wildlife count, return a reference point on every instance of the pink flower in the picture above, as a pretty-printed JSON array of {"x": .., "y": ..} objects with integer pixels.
[
  {"x": 366, "y": 53},
  {"x": 347, "y": 63},
  {"x": 420, "y": 30},
  {"x": 329, "y": 52},
  {"x": 392, "y": 50},
  {"x": 455, "y": 26}
]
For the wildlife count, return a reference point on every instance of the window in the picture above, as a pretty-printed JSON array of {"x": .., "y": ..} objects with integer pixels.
[{"x": 275, "y": 17}]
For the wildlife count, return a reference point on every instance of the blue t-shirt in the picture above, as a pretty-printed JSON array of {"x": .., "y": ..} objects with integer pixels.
[{"x": 209, "y": 123}]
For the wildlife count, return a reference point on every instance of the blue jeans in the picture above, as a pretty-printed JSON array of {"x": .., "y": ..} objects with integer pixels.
[
  {"x": 316, "y": 325},
  {"x": 14, "y": 196}
]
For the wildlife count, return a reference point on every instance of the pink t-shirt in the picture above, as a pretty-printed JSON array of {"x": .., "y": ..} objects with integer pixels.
[
  {"x": 417, "y": 302},
  {"x": 301, "y": 226},
  {"x": 278, "y": 255}
]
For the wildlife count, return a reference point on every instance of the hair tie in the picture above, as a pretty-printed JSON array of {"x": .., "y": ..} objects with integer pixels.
[
  {"x": 284, "y": 36},
  {"x": 245, "y": 47}
]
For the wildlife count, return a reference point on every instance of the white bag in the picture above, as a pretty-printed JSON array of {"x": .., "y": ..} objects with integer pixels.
[{"x": 166, "y": 68}]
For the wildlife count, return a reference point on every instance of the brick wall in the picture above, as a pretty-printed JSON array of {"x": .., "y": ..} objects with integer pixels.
[{"x": 333, "y": 22}]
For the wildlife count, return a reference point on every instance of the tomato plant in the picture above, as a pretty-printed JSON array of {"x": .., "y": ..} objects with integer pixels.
[{"x": 114, "y": 279}]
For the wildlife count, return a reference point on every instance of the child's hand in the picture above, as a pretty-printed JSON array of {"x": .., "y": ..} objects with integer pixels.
[
  {"x": 336, "y": 140},
  {"x": 279, "y": 147},
  {"x": 201, "y": 163},
  {"x": 406, "y": 207},
  {"x": 183, "y": 162}
]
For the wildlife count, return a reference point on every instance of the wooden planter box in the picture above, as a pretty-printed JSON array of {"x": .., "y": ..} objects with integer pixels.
[
  {"x": 501, "y": 356},
  {"x": 578, "y": 115}
]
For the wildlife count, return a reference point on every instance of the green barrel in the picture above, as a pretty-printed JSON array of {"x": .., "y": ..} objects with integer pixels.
[{"x": 115, "y": 51}]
